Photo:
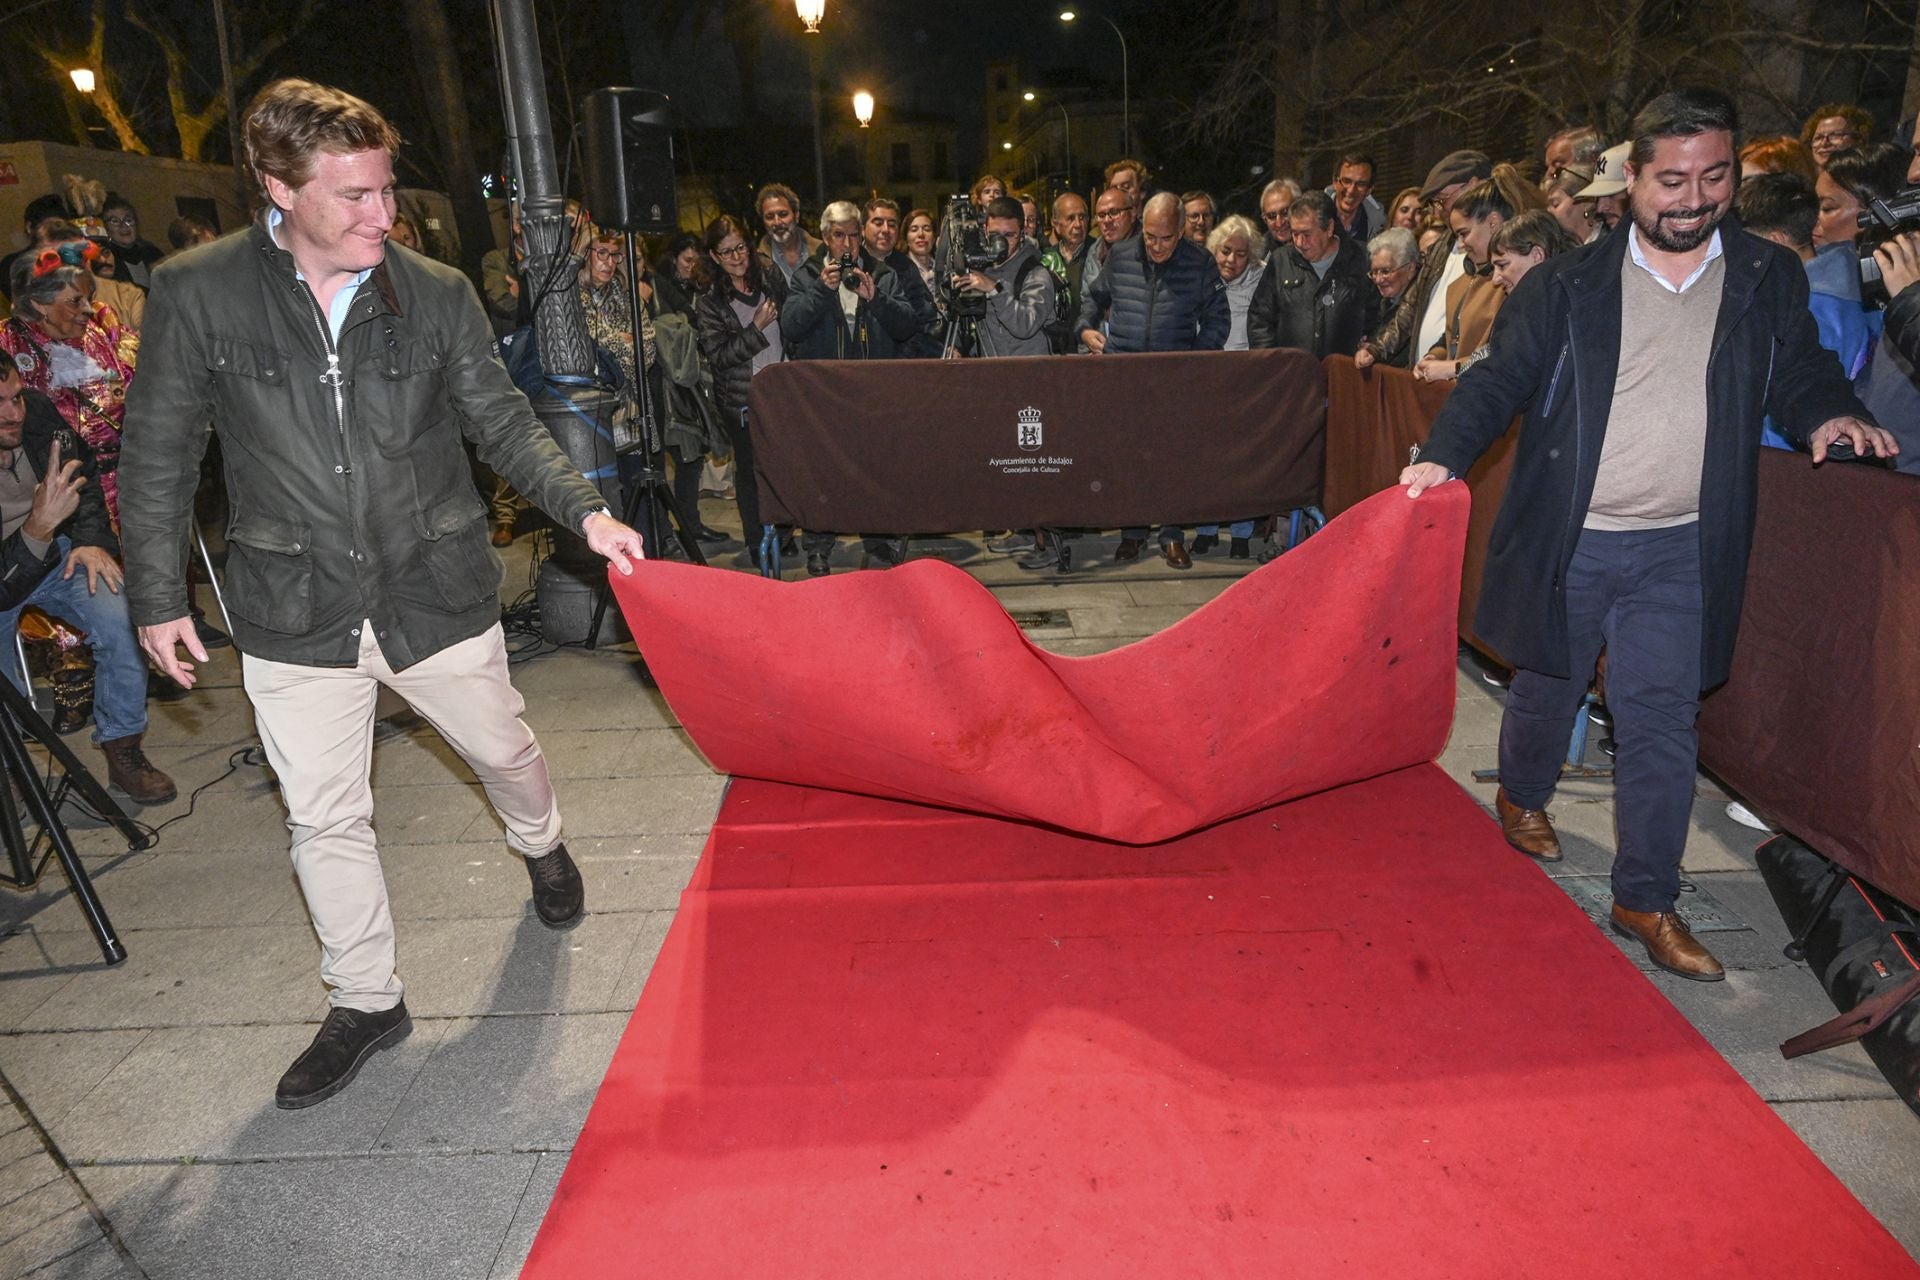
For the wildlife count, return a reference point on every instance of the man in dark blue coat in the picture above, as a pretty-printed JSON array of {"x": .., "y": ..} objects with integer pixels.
[
  {"x": 1646, "y": 363},
  {"x": 1158, "y": 293}
]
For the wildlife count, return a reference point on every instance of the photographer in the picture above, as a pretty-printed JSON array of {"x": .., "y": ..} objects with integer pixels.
[
  {"x": 845, "y": 305},
  {"x": 1018, "y": 292},
  {"x": 1899, "y": 348}
]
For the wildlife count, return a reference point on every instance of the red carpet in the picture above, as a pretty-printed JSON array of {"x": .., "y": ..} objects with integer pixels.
[
  {"x": 1352, "y": 1035},
  {"x": 1333, "y": 663}
]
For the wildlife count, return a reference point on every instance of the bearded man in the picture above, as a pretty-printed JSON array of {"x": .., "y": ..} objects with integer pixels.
[{"x": 1646, "y": 363}]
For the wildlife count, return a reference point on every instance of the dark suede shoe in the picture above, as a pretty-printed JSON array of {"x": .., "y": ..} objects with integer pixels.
[
  {"x": 346, "y": 1039},
  {"x": 1129, "y": 549},
  {"x": 129, "y": 769},
  {"x": 558, "y": 895},
  {"x": 1204, "y": 543},
  {"x": 1240, "y": 549}
]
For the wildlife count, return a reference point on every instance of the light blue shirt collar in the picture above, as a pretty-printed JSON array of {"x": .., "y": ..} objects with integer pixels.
[
  {"x": 1640, "y": 260},
  {"x": 342, "y": 301}
]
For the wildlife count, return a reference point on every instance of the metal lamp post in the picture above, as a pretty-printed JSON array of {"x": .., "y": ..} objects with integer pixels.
[
  {"x": 1126, "y": 95},
  {"x": 1066, "y": 123},
  {"x": 811, "y": 11}
]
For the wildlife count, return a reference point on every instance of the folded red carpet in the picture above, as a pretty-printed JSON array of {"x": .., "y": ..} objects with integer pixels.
[
  {"x": 1333, "y": 663},
  {"x": 1351, "y": 1035}
]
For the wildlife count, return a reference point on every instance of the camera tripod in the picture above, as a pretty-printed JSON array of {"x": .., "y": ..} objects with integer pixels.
[
  {"x": 18, "y": 721},
  {"x": 962, "y": 337},
  {"x": 649, "y": 506}
]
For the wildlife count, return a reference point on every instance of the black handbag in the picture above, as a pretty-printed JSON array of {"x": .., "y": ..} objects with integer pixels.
[{"x": 1864, "y": 946}]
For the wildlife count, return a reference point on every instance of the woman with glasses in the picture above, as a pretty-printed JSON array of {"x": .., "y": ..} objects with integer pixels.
[
  {"x": 738, "y": 318},
  {"x": 1837, "y": 126},
  {"x": 1393, "y": 259}
]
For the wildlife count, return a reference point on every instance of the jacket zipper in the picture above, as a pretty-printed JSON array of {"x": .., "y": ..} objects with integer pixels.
[
  {"x": 1579, "y": 460},
  {"x": 332, "y": 377},
  {"x": 1554, "y": 385}
]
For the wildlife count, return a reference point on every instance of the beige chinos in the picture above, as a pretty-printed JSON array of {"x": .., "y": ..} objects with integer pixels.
[{"x": 317, "y": 724}]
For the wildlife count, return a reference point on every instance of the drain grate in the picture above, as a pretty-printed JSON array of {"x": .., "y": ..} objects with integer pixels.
[
  {"x": 1043, "y": 620},
  {"x": 1704, "y": 912}
]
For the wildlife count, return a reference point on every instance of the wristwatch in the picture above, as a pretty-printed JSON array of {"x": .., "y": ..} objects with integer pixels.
[{"x": 597, "y": 511}]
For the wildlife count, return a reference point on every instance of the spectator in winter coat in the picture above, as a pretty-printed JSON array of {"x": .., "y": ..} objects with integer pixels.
[{"x": 1316, "y": 295}]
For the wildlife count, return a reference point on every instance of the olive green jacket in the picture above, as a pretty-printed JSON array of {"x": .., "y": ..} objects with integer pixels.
[{"x": 350, "y": 502}]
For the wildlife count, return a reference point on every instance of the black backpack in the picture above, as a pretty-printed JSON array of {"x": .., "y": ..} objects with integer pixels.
[{"x": 1061, "y": 326}]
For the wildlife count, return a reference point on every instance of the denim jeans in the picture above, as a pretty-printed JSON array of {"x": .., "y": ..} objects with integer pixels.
[
  {"x": 1639, "y": 593},
  {"x": 1238, "y": 529},
  {"x": 120, "y": 669}
]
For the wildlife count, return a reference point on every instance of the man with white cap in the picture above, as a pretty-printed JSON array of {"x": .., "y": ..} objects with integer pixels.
[
  {"x": 1417, "y": 323},
  {"x": 1608, "y": 190}
]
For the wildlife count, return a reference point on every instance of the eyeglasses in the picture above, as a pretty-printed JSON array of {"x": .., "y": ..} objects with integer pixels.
[
  {"x": 730, "y": 251},
  {"x": 1844, "y": 136},
  {"x": 127, "y": 221},
  {"x": 1378, "y": 274},
  {"x": 606, "y": 254},
  {"x": 1109, "y": 214}
]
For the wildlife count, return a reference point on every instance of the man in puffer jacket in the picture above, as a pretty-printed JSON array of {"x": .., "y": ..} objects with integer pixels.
[{"x": 1159, "y": 293}]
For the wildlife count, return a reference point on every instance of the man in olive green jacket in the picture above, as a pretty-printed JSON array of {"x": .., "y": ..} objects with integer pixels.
[{"x": 341, "y": 375}]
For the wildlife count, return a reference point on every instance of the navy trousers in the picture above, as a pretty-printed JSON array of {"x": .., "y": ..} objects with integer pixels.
[{"x": 1638, "y": 593}]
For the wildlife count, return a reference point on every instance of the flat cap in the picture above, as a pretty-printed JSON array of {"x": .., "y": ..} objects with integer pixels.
[{"x": 1457, "y": 166}]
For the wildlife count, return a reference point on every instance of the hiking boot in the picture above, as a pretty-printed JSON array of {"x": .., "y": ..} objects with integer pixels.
[
  {"x": 129, "y": 769},
  {"x": 559, "y": 897},
  {"x": 345, "y": 1040}
]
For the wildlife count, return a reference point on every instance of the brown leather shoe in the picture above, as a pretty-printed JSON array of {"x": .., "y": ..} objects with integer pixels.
[
  {"x": 502, "y": 535},
  {"x": 1669, "y": 943},
  {"x": 129, "y": 769},
  {"x": 1527, "y": 829},
  {"x": 1177, "y": 555},
  {"x": 1129, "y": 549}
]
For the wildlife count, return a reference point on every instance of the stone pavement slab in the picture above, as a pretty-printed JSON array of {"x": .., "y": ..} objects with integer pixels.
[{"x": 347, "y": 1219}]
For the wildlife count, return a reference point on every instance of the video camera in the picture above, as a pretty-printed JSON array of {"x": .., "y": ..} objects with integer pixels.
[
  {"x": 1880, "y": 222},
  {"x": 968, "y": 246}
]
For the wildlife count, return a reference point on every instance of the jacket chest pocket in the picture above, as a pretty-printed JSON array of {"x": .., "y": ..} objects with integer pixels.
[
  {"x": 400, "y": 391},
  {"x": 247, "y": 380}
]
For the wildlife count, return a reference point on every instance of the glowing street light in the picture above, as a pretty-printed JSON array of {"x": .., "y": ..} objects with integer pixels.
[
  {"x": 1027, "y": 96},
  {"x": 811, "y": 11},
  {"x": 1006, "y": 146},
  {"x": 82, "y": 79},
  {"x": 863, "y": 108}
]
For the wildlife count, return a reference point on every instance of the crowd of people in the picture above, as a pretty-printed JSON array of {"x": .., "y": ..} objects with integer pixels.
[{"x": 1415, "y": 282}]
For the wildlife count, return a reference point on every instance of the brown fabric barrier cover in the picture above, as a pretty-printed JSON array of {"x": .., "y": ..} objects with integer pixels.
[
  {"x": 1819, "y": 723},
  {"x": 1374, "y": 417},
  {"x": 924, "y": 446}
]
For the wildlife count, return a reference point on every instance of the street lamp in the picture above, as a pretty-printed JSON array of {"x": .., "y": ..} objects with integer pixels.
[
  {"x": 863, "y": 108},
  {"x": 811, "y": 11},
  {"x": 1066, "y": 127},
  {"x": 82, "y": 79},
  {"x": 1126, "y": 96}
]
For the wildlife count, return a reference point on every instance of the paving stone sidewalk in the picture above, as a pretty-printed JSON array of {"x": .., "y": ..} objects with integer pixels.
[{"x": 153, "y": 1080}]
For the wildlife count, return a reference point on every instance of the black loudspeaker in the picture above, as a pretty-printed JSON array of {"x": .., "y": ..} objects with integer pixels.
[{"x": 629, "y": 160}]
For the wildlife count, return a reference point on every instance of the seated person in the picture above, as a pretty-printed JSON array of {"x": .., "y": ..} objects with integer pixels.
[{"x": 87, "y": 591}]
